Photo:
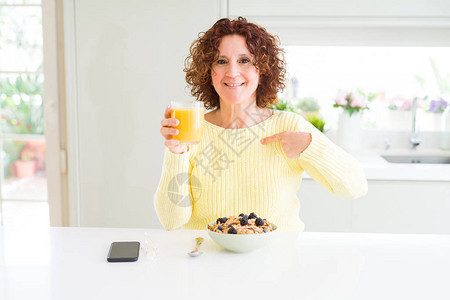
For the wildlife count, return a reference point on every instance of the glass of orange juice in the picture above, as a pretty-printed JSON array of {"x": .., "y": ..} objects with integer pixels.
[{"x": 191, "y": 117}]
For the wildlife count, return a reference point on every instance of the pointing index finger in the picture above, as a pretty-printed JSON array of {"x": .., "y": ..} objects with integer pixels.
[{"x": 271, "y": 139}]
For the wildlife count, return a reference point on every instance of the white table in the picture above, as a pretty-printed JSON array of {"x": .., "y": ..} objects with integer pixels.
[{"x": 70, "y": 263}]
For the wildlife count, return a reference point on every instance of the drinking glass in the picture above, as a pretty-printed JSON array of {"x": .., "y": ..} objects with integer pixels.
[{"x": 190, "y": 114}]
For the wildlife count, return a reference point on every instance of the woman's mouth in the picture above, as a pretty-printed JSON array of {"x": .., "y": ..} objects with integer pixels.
[{"x": 234, "y": 84}]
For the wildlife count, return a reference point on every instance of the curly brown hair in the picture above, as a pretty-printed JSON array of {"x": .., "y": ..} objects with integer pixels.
[{"x": 268, "y": 60}]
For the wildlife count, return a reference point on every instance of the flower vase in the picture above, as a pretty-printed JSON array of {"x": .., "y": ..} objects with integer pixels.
[
  {"x": 445, "y": 129},
  {"x": 399, "y": 119},
  {"x": 430, "y": 121},
  {"x": 349, "y": 131}
]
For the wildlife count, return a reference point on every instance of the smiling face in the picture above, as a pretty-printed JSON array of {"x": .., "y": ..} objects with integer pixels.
[{"x": 234, "y": 76}]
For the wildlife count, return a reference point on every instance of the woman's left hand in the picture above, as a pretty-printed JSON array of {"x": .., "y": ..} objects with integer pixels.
[{"x": 293, "y": 142}]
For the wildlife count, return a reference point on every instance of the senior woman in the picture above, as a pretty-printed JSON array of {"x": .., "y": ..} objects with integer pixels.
[{"x": 250, "y": 158}]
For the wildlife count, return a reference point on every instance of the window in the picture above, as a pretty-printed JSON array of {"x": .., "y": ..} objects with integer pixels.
[
  {"x": 392, "y": 75},
  {"x": 23, "y": 180}
]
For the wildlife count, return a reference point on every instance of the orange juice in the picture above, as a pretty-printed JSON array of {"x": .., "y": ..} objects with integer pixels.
[{"x": 191, "y": 124}]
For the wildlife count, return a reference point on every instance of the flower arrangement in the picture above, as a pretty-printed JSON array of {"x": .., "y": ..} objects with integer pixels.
[
  {"x": 400, "y": 103},
  {"x": 353, "y": 102},
  {"x": 437, "y": 106}
]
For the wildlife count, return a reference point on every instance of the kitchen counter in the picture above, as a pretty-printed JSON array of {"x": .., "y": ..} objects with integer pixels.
[
  {"x": 70, "y": 263},
  {"x": 377, "y": 168}
]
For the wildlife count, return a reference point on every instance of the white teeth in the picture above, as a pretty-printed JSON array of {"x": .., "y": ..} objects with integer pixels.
[{"x": 236, "y": 84}]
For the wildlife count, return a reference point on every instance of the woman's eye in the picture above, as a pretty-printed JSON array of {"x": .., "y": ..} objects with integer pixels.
[
  {"x": 245, "y": 60},
  {"x": 221, "y": 61}
]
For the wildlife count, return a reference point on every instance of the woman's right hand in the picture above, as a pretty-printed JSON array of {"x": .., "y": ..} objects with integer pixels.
[{"x": 167, "y": 131}]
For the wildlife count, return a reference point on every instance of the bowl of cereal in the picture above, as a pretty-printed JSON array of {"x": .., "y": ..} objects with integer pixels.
[{"x": 244, "y": 233}]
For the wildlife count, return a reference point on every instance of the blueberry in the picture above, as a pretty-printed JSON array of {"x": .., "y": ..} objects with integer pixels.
[
  {"x": 243, "y": 221},
  {"x": 220, "y": 227},
  {"x": 224, "y": 219},
  {"x": 232, "y": 230},
  {"x": 259, "y": 222},
  {"x": 241, "y": 215},
  {"x": 219, "y": 220},
  {"x": 230, "y": 225},
  {"x": 264, "y": 230},
  {"x": 252, "y": 216},
  {"x": 245, "y": 216}
]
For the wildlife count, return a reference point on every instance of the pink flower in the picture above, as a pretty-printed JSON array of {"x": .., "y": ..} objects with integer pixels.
[
  {"x": 358, "y": 100},
  {"x": 400, "y": 103},
  {"x": 341, "y": 98},
  {"x": 352, "y": 102}
]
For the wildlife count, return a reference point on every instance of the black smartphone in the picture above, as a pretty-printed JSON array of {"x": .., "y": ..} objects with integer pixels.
[{"x": 123, "y": 251}]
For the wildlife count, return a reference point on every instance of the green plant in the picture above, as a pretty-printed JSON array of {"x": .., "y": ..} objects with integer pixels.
[
  {"x": 443, "y": 82},
  {"x": 316, "y": 120},
  {"x": 283, "y": 105},
  {"x": 10, "y": 153},
  {"x": 311, "y": 117},
  {"x": 436, "y": 102},
  {"x": 308, "y": 104},
  {"x": 22, "y": 110}
]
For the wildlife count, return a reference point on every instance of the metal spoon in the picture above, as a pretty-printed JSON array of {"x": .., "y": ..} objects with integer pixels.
[{"x": 195, "y": 252}]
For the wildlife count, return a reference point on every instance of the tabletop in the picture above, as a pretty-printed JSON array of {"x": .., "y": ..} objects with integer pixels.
[{"x": 70, "y": 263}]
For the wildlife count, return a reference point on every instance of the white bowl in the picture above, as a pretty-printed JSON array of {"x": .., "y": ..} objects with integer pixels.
[{"x": 242, "y": 242}]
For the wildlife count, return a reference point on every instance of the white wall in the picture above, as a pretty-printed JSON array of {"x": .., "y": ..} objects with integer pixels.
[
  {"x": 124, "y": 66},
  {"x": 349, "y": 22}
]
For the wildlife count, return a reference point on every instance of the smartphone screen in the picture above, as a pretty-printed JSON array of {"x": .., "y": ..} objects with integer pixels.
[{"x": 123, "y": 251}]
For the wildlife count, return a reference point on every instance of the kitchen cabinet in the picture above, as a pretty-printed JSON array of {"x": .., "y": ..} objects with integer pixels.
[{"x": 390, "y": 206}]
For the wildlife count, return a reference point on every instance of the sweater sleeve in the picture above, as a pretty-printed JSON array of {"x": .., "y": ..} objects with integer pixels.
[
  {"x": 330, "y": 165},
  {"x": 173, "y": 198}
]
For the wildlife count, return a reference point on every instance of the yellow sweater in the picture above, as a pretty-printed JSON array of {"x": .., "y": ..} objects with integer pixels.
[{"x": 230, "y": 172}]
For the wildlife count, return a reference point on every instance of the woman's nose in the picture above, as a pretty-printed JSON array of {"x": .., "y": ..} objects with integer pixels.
[{"x": 233, "y": 69}]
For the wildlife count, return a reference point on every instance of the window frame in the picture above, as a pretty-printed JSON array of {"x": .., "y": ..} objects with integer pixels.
[{"x": 54, "y": 112}]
